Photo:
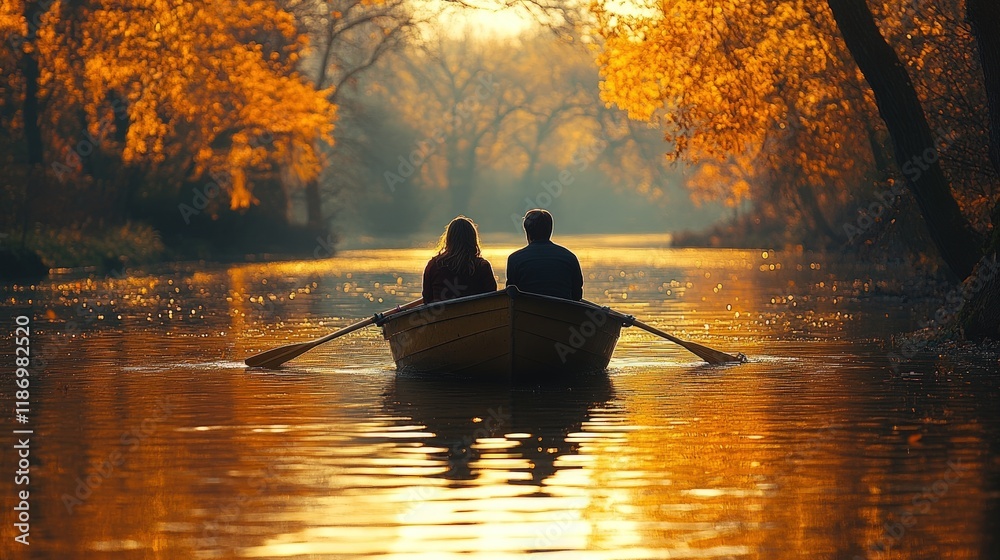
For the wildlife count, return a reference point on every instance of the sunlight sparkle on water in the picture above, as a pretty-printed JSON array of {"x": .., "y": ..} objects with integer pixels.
[{"x": 664, "y": 456}]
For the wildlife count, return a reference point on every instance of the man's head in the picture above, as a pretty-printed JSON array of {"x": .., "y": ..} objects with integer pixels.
[{"x": 538, "y": 225}]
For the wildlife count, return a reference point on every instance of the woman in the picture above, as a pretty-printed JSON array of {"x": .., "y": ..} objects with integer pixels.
[{"x": 459, "y": 268}]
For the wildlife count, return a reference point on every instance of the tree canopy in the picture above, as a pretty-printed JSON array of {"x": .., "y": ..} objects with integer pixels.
[
  {"x": 768, "y": 100},
  {"x": 186, "y": 88}
]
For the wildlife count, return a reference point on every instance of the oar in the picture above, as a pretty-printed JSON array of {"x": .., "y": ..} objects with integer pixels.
[
  {"x": 711, "y": 356},
  {"x": 277, "y": 356}
]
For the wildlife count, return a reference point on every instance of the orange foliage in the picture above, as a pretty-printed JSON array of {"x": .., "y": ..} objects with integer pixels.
[
  {"x": 199, "y": 83},
  {"x": 735, "y": 81},
  {"x": 766, "y": 95}
]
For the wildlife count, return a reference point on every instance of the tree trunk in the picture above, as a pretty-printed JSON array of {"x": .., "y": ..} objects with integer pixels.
[
  {"x": 30, "y": 112},
  {"x": 461, "y": 170},
  {"x": 32, "y": 130},
  {"x": 314, "y": 207},
  {"x": 879, "y": 157},
  {"x": 820, "y": 223},
  {"x": 984, "y": 17},
  {"x": 29, "y": 68},
  {"x": 980, "y": 317},
  {"x": 914, "y": 146},
  {"x": 460, "y": 187}
]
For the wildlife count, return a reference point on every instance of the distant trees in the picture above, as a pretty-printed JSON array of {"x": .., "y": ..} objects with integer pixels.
[
  {"x": 459, "y": 92},
  {"x": 488, "y": 123}
]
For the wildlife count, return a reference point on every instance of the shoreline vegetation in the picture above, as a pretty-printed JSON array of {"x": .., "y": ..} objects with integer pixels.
[
  {"x": 113, "y": 250},
  {"x": 120, "y": 251}
]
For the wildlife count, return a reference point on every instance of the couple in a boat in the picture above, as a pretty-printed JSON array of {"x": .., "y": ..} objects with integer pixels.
[{"x": 541, "y": 267}]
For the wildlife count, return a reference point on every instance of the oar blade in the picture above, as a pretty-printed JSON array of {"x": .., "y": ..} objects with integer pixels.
[
  {"x": 277, "y": 356},
  {"x": 714, "y": 357}
]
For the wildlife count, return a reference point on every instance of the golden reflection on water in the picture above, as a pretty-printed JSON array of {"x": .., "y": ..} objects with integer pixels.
[{"x": 815, "y": 449}]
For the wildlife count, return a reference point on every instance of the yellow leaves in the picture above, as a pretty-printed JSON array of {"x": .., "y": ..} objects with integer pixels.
[
  {"x": 724, "y": 180},
  {"x": 201, "y": 82},
  {"x": 730, "y": 75}
]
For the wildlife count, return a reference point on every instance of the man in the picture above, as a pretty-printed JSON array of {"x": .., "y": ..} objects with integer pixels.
[{"x": 544, "y": 267}]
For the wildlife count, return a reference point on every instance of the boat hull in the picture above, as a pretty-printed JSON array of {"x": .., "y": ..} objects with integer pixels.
[{"x": 504, "y": 334}]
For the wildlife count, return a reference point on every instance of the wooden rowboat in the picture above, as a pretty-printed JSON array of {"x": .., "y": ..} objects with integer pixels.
[{"x": 504, "y": 334}]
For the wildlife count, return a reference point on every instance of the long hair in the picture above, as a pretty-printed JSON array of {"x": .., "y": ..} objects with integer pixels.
[{"x": 458, "y": 249}]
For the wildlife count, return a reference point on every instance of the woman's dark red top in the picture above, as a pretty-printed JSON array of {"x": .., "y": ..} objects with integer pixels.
[{"x": 441, "y": 283}]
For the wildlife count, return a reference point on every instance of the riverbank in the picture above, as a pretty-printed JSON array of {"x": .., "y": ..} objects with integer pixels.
[{"x": 112, "y": 250}]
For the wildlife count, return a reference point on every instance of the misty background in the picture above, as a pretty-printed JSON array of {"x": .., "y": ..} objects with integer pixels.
[{"x": 490, "y": 127}]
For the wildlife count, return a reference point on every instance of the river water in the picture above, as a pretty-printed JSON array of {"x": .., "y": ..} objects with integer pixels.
[{"x": 152, "y": 440}]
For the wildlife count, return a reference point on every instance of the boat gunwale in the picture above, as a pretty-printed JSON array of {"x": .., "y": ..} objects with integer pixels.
[{"x": 510, "y": 291}]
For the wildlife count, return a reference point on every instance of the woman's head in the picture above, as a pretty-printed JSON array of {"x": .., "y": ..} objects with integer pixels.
[{"x": 459, "y": 245}]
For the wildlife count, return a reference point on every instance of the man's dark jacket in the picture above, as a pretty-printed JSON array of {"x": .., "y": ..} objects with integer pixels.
[{"x": 542, "y": 267}]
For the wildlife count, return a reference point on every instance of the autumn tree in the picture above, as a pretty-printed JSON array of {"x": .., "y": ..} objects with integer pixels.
[
  {"x": 981, "y": 316},
  {"x": 194, "y": 93},
  {"x": 728, "y": 79},
  {"x": 913, "y": 141},
  {"x": 754, "y": 95},
  {"x": 774, "y": 81}
]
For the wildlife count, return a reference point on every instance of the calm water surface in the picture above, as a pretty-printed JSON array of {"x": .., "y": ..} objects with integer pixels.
[{"x": 152, "y": 440}]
